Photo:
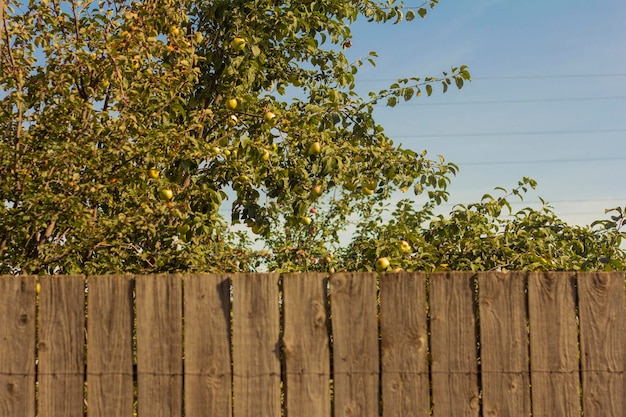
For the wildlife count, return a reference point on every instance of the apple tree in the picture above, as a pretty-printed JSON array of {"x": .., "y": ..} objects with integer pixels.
[
  {"x": 135, "y": 134},
  {"x": 487, "y": 235}
]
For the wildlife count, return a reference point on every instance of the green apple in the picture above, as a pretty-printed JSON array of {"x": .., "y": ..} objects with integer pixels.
[
  {"x": 305, "y": 220},
  {"x": 405, "y": 247},
  {"x": 231, "y": 103},
  {"x": 315, "y": 148},
  {"x": 238, "y": 44},
  {"x": 317, "y": 191},
  {"x": 269, "y": 118},
  {"x": 266, "y": 156},
  {"x": 382, "y": 264},
  {"x": 153, "y": 173},
  {"x": 166, "y": 194}
]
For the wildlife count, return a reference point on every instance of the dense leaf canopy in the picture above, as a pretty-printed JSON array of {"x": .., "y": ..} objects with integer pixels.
[{"x": 128, "y": 128}]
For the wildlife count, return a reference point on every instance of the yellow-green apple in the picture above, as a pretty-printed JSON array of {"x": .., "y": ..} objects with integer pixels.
[
  {"x": 315, "y": 148},
  {"x": 238, "y": 44},
  {"x": 382, "y": 264},
  {"x": 166, "y": 194},
  {"x": 231, "y": 103},
  {"x": 269, "y": 118},
  {"x": 153, "y": 173},
  {"x": 317, "y": 191}
]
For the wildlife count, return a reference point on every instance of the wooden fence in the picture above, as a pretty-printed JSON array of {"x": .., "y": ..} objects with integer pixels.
[{"x": 307, "y": 345}]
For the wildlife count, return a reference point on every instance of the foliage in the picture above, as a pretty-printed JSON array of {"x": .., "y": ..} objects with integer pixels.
[
  {"x": 486, "y": 235},
  {"x": 481, "y": 236},
  {"x": 128, "y": 126}
]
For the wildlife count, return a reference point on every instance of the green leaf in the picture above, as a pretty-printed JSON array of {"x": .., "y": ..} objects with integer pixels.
[{"x": 408, "y": 94}]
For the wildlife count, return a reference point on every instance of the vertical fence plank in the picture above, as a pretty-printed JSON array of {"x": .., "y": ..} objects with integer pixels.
[
  {"x": 454, "y": 344},
  {"x": 159, "y": 345},
  {"x": 602, "y": 343},
  {"x": 17, "y": 346},
  {"x": 110, "y": 346},
  {"x": 355, "y": 344},
  {"x": 404, "y": 345},
  {"x": 504, "y": 344},
  {"x": 306, "y": 347},
  {"x": 61, "y": 346},
  {"x": 553, "y": 344},
  {"x": 256, "y": 345},
  {"x": 208, "y": 372}
]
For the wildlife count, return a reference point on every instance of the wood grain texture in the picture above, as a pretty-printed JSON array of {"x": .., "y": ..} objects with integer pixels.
[
  {"x": 17, "y": 346},
  {"x": 61, "y": 346},
  {"x": 553, "y": 344},
  {"x": 256, "y": 345},
  {"x": 602, "y": 343},
  {"x": 504, "y": 344},
  {"x": 454, "y": 345},
  {"x": 355, "y": 344},
  {"x": 404, "y": 345},
  {"x": 110, "y": 346},
  {"x": 208, "y": 372},
  {"x": 306, "y": 345},
  {"x": 159, "y": 345}
]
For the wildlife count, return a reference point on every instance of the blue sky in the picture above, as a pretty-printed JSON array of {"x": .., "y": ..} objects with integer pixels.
[{"x": 547, "y": 100}]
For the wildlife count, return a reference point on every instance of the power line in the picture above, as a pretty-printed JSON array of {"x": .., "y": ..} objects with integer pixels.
[
  {"x": 550, "y": 203},
  {"x": 512, "y": 77},
  {"x": 547, "y": 76},
  {"x": 538, "y": 100},
  {"x": 530, "y": 133},
  {"x": 543, "y": 161}
]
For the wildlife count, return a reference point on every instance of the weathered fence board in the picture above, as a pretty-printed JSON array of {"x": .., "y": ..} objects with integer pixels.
[
  {"x": 355, "y": 345},
  {"x": 454, "y": 345},
  {"x": 61, "y": 347},
  {"x": 404, "y": 345},
  {"x": 306, "y": 345},
  {"x": 17, "y": 346},
  {"x": 345, "y": 345},
  {"x": 159, "y": 346},
  {"x": 208, "y": 372},
  {"x": 504, "y": 344},
  {"x": 256, "y": 345},
  {"x": 553, "y": 344},
  {"x": 110, "y": 352},
  {"x": 602, "y": 343}
]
